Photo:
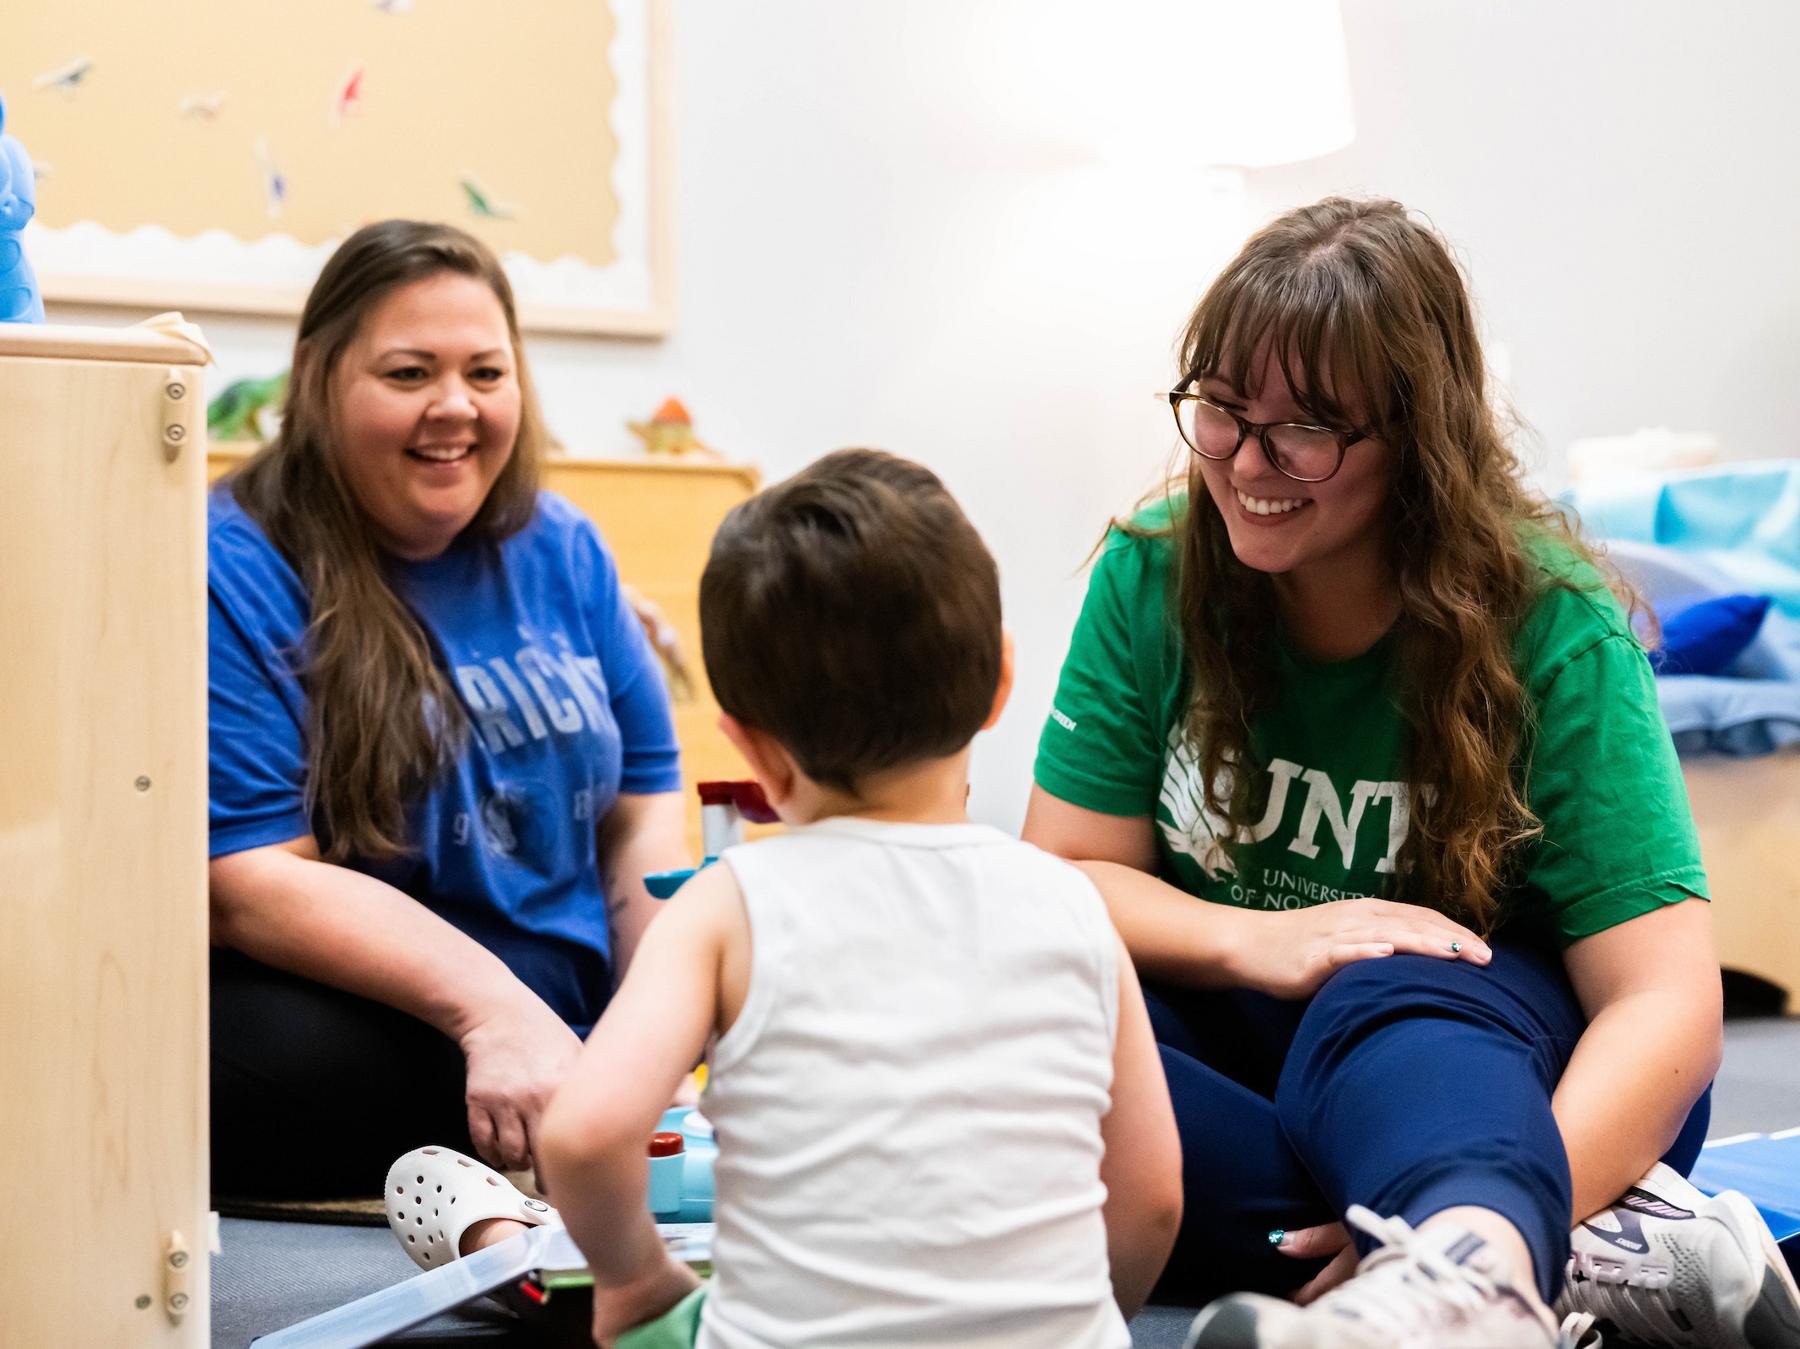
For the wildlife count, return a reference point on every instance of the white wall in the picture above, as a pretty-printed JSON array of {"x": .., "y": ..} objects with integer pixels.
[
  {"x": 1621, "y": 178},
  {"x": 886, "y": 237}
]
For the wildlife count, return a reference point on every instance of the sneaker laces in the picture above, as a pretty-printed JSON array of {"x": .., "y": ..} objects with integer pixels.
[
  {"x": 1411, "y": 1286},
  {"x": 1643, "y": 1314},
  {"x": 1578, "y": 1332},
  {"x": 1420, "y": 1281}
]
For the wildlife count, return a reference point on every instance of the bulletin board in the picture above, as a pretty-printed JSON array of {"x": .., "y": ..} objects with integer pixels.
[{"x": 209, "y": 154}]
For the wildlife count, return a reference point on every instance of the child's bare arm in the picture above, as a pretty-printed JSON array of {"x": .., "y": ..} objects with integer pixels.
[
  {"x": 594, "y": 1135},
  {"x": 1142, "y": 1166}
]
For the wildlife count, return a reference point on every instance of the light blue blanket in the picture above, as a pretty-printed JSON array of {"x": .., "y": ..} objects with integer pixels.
[
  {"x": 1740, "y": 520},
  {"x": 1723, "y": 529}
]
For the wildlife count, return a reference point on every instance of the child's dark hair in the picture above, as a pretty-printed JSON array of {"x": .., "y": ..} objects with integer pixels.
[{"x": 853, "y": 613}]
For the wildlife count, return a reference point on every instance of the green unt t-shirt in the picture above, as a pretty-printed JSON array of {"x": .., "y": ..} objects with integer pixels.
[{"x": 1329, "y": 796}]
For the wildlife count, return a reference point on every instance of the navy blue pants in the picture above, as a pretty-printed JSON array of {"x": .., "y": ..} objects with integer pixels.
[{"x": 1407, "y": 1084}]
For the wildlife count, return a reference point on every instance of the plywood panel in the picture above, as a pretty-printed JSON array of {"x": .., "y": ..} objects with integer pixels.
[
  {"x": 659, "y": 520},
  {"x": 1748, "y": 813},
  {"x": 102, "y": 850}
]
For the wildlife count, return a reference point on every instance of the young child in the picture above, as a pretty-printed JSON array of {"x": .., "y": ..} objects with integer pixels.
[{"x": 939, "y": 1110}]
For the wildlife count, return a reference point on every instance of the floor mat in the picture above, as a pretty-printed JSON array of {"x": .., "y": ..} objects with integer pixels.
[
  {"x": 269, "y": 1275},
  {"x": 358, "y": 1212},
  {"x": 352, "y": 1211}
]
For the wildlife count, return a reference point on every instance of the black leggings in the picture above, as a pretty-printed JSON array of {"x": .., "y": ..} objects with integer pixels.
[{"x": 316, "y": 1091}]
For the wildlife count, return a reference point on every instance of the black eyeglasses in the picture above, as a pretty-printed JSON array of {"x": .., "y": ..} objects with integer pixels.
[{"x": 1298, "y": 450}]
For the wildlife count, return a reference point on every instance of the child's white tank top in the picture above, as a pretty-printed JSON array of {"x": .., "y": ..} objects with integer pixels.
[{"x": 908, "y": 1107}]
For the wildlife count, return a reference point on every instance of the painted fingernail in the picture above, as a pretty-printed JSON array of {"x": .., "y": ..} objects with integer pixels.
[{"x": 1278, "y": 1237}]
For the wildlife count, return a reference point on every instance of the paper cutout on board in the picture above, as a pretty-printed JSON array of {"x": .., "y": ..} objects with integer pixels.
[
  {"x": 348, "y": 98},
  {"x": 204, "y": 107},
  {"x": 65, "y": 77},
  {"x": 275, "y": 184},
  {"x": 482, "y": 206}
]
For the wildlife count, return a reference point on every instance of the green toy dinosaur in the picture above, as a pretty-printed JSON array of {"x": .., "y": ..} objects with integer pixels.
[{"x": 245, "y": 409}]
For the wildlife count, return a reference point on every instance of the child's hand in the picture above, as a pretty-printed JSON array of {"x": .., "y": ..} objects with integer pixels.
[{"x": 627, "y": 1306}]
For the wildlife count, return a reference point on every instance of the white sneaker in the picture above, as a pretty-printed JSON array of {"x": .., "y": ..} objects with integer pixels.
[
  {"x": 1668, "y": 1266},
  {"x": 1420, "y": 1290}
]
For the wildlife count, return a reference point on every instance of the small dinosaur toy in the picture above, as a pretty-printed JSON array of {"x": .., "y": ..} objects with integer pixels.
[
  {"x": 671, "y": 431},
  {"x": 244, "y": 409}
]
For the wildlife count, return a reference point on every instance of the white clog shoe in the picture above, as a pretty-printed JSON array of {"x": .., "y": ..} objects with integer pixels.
[{"x": 434, "y": 1195}]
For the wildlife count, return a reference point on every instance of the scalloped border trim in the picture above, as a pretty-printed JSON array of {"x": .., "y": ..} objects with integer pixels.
[{"x": 281, "y": 262}]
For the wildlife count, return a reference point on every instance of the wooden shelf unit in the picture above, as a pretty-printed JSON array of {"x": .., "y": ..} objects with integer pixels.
[
  {"x": 1748, "y": 814},
  {"x": 103, "y": 924}
]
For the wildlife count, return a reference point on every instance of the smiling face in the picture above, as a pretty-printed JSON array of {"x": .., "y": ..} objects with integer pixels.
[
  {"x": 1333, "y": 532},
  {"x": 426, "y": 405}
]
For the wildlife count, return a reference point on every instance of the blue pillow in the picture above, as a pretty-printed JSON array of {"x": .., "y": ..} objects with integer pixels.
[{"x": 1705, "y": 638}]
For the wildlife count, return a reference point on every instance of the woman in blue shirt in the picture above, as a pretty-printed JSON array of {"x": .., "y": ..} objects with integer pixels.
[{"x": 441, "y": 751}]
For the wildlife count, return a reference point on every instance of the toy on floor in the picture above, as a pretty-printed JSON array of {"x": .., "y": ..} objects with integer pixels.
[
  {"x": 536, "y": 1264},
  {"x": 20, "y": 301},
  {"x": 527, "y": 1271},
  {"x": 688, "y": 1196},
  {"x": 724, "y": 806}
]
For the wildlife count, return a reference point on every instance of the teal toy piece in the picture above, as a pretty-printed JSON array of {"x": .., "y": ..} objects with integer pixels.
[
  {"x": 697, "y": 1167},
  {"x": 663, "y": 884},
  {"x": 724, "y": 806},
  {"x": 20, "y": 301}
]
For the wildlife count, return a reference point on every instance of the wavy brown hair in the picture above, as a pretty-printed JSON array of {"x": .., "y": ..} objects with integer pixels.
[
  {"x": 382, "y": 718},
  {"x": 1372, "y": 324}
]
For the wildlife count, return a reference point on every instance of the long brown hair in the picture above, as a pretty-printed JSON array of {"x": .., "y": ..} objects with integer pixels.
[
  {"x": 382, "y": 718},
  {"x": 1369, "y": 317}
]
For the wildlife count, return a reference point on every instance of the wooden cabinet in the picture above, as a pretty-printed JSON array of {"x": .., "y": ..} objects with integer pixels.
[
  {"x": 103, "y": 943},
  {"x": 658, "y": 516},
  {"x": 1748, "y": 815}
]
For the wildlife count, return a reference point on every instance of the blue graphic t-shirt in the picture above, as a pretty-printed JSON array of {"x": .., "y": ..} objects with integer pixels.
[{"x": 566, "y": 706}]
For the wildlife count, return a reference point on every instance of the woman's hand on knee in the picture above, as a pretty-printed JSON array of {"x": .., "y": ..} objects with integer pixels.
[
  {"x": 1289, "y": 954},
  {"x": 515, "y": 1060}
]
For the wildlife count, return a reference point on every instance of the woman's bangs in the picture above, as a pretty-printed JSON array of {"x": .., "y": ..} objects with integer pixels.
[
  {"x": 1334, "y": 363},
  {"x": 1326, "y": 348}
]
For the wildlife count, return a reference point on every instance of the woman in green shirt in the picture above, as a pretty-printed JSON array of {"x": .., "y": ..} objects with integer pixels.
[{"x": 1357, "y": 661}]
